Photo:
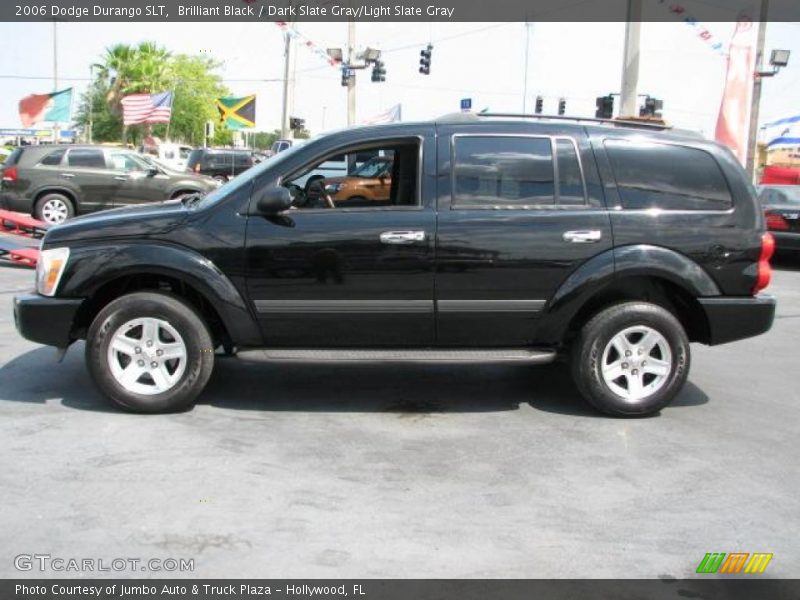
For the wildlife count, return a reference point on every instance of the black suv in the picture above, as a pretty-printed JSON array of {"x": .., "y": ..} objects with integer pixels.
[
  {"x": 56, "y": 182},
  {"x": 220, "y": 163},
  {"x": 502, "y": 240}
]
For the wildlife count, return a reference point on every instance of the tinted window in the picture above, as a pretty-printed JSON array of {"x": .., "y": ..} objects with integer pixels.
[
  {"x": 13, "y": 158},
  {"x": 125, "y": 161},
  {"x": 54, "y": 158},
  {"x": 86, "y": 157},
  {"x": 194, "y": 158},
  {"x": 243, "y": 159},
  {"x": 668, "y": 177},
  {"x": 570, "y": 179},
  {"x": 512, "y": 171}
]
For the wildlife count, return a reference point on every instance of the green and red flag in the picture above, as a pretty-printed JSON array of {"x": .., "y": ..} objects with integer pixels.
[
  {"x": 53, "y": 107},
  {"x": 237, "y": 113}
]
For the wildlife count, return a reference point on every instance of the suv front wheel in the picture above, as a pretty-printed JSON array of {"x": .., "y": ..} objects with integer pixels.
[
  {"x": 150, "y": 352},
  {"x": 631, "y": 359}
]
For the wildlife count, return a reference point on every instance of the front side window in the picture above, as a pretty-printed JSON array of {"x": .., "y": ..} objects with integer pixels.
[
  {"x": 383, "y": 176},
  {"x": 125, "y": 161},
  {"x": 668, "y": 177},
  {"x": 86, "y": 158}
]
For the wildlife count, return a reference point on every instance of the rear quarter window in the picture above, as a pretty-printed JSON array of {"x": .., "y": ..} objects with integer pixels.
[
  {"x": 13, "y": 158},
  {"x": 667, "y": 177}
]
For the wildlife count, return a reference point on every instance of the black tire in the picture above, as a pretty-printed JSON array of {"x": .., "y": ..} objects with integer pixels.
[
  {"x": 588, "y": 356},
  {"x": 183, "y": 318},
  {"x": 42, "y": 208}
]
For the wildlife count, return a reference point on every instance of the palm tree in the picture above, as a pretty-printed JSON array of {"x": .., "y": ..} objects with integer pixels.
[{"x": 135, "y": 69}]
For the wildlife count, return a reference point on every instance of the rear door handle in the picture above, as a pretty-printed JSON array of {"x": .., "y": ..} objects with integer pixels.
[
  {"x": 402, "y": 237},
  {"x": 67, "y": 175},
  {"x": 121, "y": 178},
  {"x": 587, "y": 236}
]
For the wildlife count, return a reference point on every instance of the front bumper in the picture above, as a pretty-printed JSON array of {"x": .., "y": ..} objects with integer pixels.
[
  {"x": 733, "y": 318},
  {"x": 46, "y": 320}
]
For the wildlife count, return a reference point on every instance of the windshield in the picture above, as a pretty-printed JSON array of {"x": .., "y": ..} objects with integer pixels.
[
  {"x": 789, "y": 194},
  {"x": 372, "y": 168}
]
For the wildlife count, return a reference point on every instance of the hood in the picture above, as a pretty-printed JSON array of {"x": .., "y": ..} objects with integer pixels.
[{"x": 141, "y": 221}]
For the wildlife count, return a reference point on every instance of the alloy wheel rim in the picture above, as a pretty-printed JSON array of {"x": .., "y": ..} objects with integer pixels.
[
  {"x": 636, "y": 363},
  {"x": 147, "y": 356},
  {"x": 55, "y": 211}
]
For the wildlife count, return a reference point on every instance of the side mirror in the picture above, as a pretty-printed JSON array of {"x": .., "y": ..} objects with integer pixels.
[
  {"x": 273, "y": 200},
  {"x": 152, "y": 172}
]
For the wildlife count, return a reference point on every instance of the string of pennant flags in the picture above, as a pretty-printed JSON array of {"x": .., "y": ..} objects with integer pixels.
[{"x": 307, "y": 43}]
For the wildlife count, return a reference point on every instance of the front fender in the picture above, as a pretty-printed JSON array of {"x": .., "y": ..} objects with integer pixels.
[
  {"x": 92, "y": 266},
  {"x": 603, "y": 270}
]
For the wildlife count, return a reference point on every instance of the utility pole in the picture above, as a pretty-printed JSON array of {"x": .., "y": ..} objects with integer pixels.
[
  {"x": 752, "y": 135},
  {"x": 528, "y": 27},
  {"x": 55, "y": 73},
  {"x": 630, "y": 67},
  {"x": 351, "y": 82},
  {"x": 287, "y": 71}
]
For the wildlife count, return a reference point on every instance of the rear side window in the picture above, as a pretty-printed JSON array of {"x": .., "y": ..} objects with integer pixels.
[
  {"x": 54, "y": 158},
  {"x": 520, "y": 172},
  {"x": 243, "y": 158},
  {"x": 667, "y": 177},
  {"x": 86, "y": 157}
]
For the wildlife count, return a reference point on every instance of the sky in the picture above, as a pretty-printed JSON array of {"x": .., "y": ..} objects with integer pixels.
[{"x": 482, "y": 61}]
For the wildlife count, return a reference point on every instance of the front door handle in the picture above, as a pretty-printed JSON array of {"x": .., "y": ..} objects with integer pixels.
[
  {"x": 121, "y": 178},
  {"x": 587, "y": 236},
  {"x": 67, "y": 175},
  {"x": 402, "y": 237}
]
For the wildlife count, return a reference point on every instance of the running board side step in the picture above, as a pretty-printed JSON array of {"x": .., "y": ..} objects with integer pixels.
[{"x": 427, "y": 355}]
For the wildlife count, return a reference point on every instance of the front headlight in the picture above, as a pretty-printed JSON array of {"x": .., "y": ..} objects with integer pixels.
[{"x": 49, "y": 270}]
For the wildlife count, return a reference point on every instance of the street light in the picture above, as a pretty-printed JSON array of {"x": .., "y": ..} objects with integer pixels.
[
  {"x": 370, "y": 55},
  {"x": 335, "y": 54},
  {"x": 779, "y": 58}
]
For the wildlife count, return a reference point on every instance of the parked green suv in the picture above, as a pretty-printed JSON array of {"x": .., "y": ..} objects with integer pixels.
[{"x": 55, "y": 182}]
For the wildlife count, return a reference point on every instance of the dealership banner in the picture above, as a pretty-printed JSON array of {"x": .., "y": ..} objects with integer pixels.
[
  {"x": 709, "y": 586},
  {"x": 423, "y": 11}
]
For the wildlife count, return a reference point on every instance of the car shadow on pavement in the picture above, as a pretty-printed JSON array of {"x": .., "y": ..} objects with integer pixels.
[{"x": 36, "y": 377}]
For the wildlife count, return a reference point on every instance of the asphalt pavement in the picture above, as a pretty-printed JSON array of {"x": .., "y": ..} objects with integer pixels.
[{"x": 319, "y": 470}]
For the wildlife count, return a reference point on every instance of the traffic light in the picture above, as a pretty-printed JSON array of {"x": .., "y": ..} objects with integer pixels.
[
  {"x": 539, "y": 105},
  {"x": 378, "y": 71},
  {"x": 346, "y": 75},
  {"x": 652, "y": 107},
  {"x": 605, "y": 107},
  {"x": 562, "y": 106},
  {"x": 296, "y": 123},
  {"x": 425, "y": 60}
]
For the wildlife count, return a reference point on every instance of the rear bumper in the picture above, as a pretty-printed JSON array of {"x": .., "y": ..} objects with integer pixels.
[
  {"x": 46, "y": 320},
  {"x": 731, "y": 319}
]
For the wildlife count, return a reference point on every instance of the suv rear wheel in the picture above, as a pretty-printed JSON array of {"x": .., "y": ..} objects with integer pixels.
[
  {"x": 631, "y": 359},
  {"x": 54, "y": 208},
  {"x": 150, "y": 352}
]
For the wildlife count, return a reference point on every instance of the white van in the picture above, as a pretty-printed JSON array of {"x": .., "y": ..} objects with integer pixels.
[{"x": 174, "y": 156}]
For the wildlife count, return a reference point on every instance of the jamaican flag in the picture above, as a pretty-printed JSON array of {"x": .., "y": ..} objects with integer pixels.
[{"x": 237, "y": 113}]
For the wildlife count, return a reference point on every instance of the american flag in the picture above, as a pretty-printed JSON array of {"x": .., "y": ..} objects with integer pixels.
[{"x": 147, "y": 108}]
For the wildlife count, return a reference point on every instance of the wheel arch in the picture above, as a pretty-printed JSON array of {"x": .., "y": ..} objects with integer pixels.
[
  {"x": 643, "y": 272},
  {"x": 102, "y": 274},
  {"x": 39, "y": 194}
]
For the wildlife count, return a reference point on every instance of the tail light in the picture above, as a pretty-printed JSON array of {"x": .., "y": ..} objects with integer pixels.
[
  {"x": 776, "y": 222},
  {"x": 764, "y": 270},
  {"x": 10, "y": 174}
]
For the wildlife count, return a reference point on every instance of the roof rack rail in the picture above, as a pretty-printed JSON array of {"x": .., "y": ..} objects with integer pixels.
[{"x": 622, "y": 122}]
